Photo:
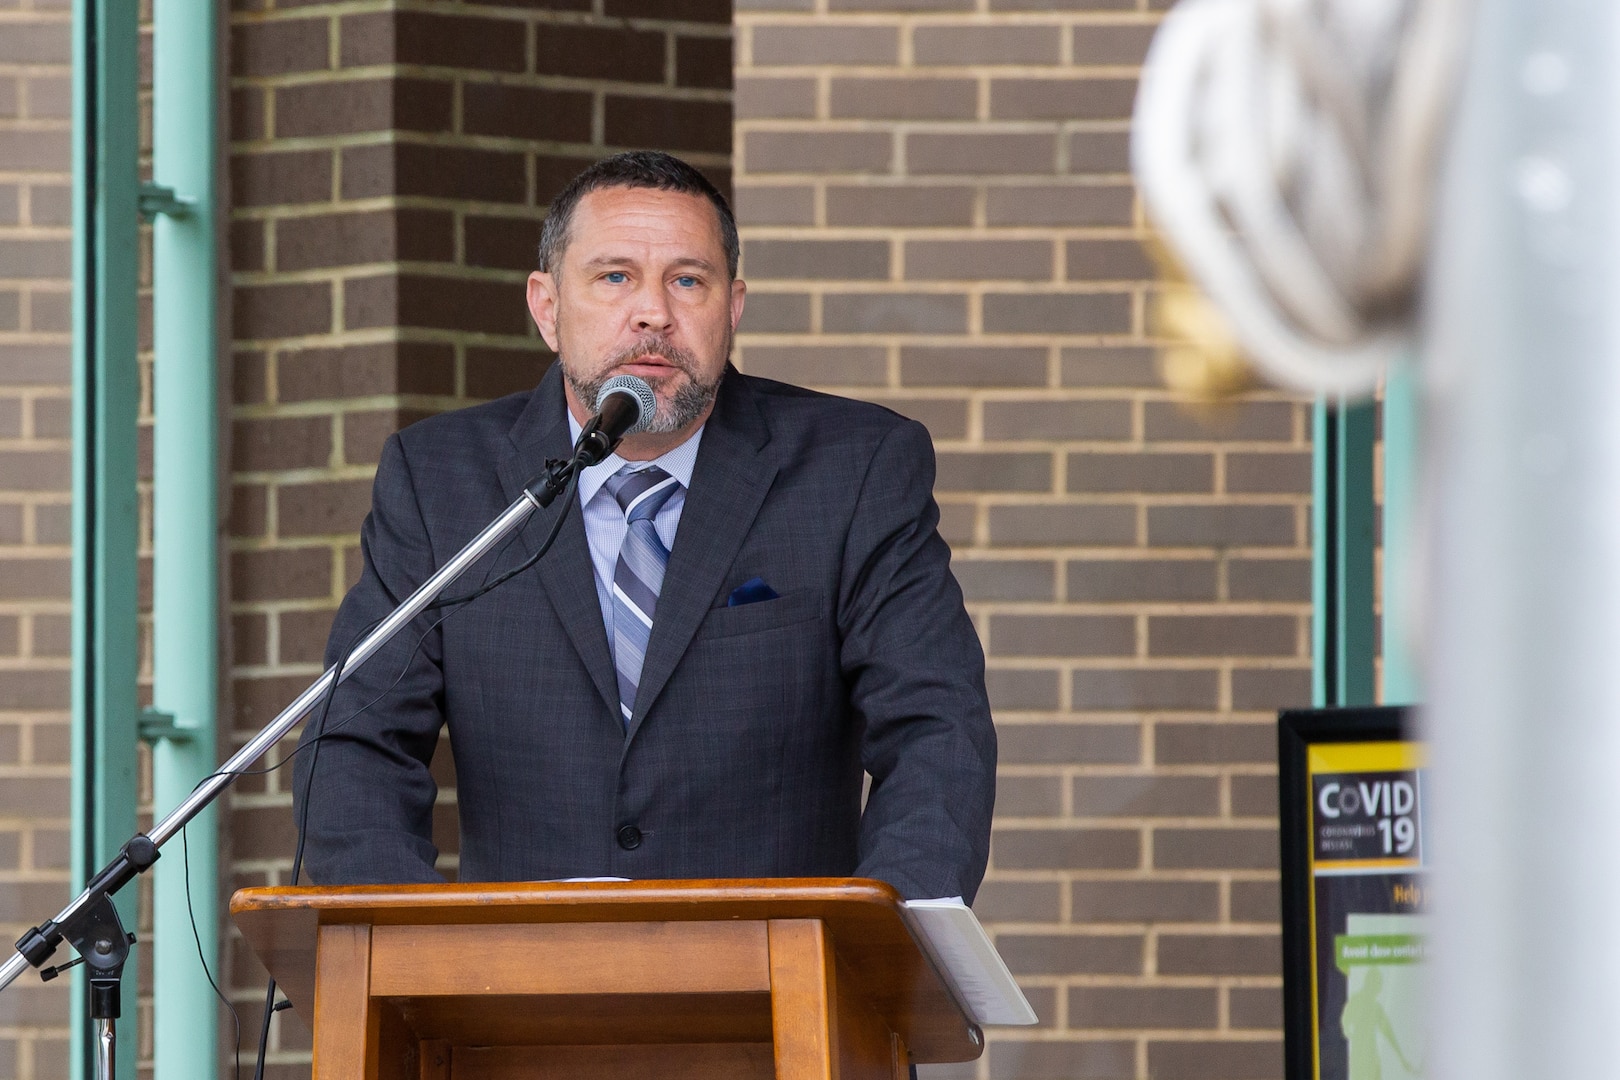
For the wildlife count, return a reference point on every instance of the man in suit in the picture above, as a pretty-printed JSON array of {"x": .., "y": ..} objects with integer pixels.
[{"x": 747, "y": 607}]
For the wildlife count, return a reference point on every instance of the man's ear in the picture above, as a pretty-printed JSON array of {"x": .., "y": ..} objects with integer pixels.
[
  {"x": 542, "y": 297},
  {"x": 738, "y": 290}
]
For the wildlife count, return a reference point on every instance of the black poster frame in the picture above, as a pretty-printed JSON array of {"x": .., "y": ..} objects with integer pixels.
[{"x": 1297, "y": 731}]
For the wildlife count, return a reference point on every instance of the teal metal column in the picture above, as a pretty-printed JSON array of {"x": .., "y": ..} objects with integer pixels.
[
  {"x": 185, "y": 610},
  {"x": 1402, "y": 684},
  {"x": 106, "y": 395},
  {"x": 1343, "y": 645}
]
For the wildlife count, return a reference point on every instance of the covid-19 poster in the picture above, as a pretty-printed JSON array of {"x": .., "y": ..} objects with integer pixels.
[{"x": 1352, "y": 785}]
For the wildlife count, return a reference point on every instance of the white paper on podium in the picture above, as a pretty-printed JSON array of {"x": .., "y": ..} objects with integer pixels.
[{"x": 951, "y": 935}]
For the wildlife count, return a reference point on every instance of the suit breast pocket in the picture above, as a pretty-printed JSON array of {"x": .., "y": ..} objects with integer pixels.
[{"x": 760, "y": 617}]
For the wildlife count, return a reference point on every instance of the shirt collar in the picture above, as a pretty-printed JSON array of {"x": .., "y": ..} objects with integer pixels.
[{"x": 677, "y": 462}]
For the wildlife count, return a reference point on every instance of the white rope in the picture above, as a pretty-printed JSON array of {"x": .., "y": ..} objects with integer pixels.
[{"x": 1285, "y": 149}]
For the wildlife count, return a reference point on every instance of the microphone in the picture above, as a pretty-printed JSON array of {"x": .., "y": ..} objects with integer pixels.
[{"x": 624, "y": 406}]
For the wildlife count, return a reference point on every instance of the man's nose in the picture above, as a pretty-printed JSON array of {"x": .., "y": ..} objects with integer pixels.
[{"x": 653, "y": 310}]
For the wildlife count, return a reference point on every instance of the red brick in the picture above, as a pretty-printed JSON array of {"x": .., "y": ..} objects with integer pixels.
[
  {"x": 316, "y": 374},
  {"x": 278, "y": 48},
  {"x": 443, "y": 303},
  {"x": 416, "y": 37},
  {"x": 281, "y": 310},
  {"x": 293, "y": 442},
  {"x": 493, "y": 373},
  {"x": 328, "y": 240},
  {"x": 327, "y": 508},
  {"x": 704, "y": 62},
  {"x": 525, "y": 112},
  {"x": 599, "y": 52},
  {"x": 271, "y": 178},
  {"x": 679, "y": 125},
  {"x": 707, "y": 11},
  {"x": 449, "y": 172},
  {"x": 365, "y": 432},
  {"x": 282, "y": 574},
  {"x": 357, "y": 105}
]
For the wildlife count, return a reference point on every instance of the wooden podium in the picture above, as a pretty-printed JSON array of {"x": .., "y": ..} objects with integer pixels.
[{"x": 679, "y": 980}]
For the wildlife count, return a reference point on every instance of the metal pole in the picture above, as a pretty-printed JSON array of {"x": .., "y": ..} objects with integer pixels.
[
  {"x": 185, "y": 604},
  {"x": 106, "y": 393},
  {"x": 1342, "y": 541},
  {"x": 1522, "y": 377},
  {"x": 1401, "y": 682}
]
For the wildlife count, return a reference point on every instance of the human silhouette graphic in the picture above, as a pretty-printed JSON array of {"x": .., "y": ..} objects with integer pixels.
[{"x": 1362, "y": 1022}]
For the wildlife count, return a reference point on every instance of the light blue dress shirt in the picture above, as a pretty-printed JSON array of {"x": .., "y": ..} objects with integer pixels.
[{"x": 604, "y": 521}]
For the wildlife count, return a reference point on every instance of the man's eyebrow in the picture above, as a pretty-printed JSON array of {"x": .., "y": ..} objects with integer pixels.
[{"x": 605, "y": 261}]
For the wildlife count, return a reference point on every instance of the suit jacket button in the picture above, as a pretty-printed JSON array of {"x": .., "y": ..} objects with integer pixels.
[{"x": 629, "y": 837}]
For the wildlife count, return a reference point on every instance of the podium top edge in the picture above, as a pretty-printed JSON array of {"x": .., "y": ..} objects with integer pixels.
[{"x": 703, "y": 896}]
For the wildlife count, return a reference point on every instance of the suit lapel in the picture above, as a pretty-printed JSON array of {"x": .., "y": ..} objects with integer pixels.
[
  {"x": 729, "y": 482},
  {"x": 565, "y": 573}
]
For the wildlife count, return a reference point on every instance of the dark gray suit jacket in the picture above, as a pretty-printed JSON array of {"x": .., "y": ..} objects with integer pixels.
[{"x": 752, "y": 724}]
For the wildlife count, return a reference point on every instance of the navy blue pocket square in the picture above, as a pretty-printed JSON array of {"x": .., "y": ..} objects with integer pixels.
[{"x": 751, "y": 591}]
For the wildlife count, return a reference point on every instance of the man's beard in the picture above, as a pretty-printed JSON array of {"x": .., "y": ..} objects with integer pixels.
[{"x": 690, "y": 397}]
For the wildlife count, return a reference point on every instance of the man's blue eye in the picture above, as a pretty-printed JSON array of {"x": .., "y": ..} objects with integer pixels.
[
  {"x": 686, "y": 281},
  {"x": 616, "y": 276}
]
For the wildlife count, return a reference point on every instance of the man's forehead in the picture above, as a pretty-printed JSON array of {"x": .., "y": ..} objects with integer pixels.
[{"x": 629, "y": 214}]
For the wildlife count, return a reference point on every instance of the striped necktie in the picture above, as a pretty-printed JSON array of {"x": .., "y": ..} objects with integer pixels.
[{"x": 641, "y": 493}]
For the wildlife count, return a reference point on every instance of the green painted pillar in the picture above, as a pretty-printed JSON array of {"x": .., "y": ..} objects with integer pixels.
[
  {"x": 185, "y": 526},
  {"x": 1402, "y": 682},
  {"x": 106, "y": 395},
  {"x": 1343, "y": 539}
]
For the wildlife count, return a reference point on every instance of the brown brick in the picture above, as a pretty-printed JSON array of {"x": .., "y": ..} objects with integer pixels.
[
  {"x": 1146, "y": 689},
  {"x": 709, "y": 11},
  {"x": 35, "y": 470},
  {"x": 493, "y": 373},
  {"x": 704, "y": 62},
  {"x": 10, "y": 205},
  {"x": 599, "y": 52},
  {"x": 1111, "y": 45},
  {"x": 897, "y": 206},
  {"x": 249, "y": 377},
  {"x": 980, "y": 153},
  {"x": 1226, "y": 1060},
  {"x": 1162, "y": 1007},
  {"x": 35, "y": 258},
  {"x": 1100, "y": 153},
  {"x": 1256, "y": 901},
  {"x": 1006, "y": 579},
  {"x": 250, "y": 640},
  {"x": 1022, "y": 689},
  {"x": 1046, "y": 526},
  {"x": 500, "y": 243},
  {"x": 364, "y": 370},
  {"x": 680, "y": 125},
  {"x": 978, "y": 260},
  {"x": 819, "y": 365},
  {"x": 303, "y": 636},
  {"x": 1057, "y": 313},
  {"x": 35, "y": 689},
  {"x": 1075, "y": 204},
  {"x": 993, "y": 471},
  {"x": 1219, "y": 954},
  {"x": 1066, "y": 954},
  {"x": 1069, "y": 744},
  {"x": 36, "y": 42},
  {"x": 35, "y": 151},
  {"x": 278, "y": 48},
  {"x": 1109, "y": 365},
  {"x": 827, "y": 260},
  {"x": 449, "y": 172},
  {"x": 1270, "y": 689},
  {"x": 282, "y": 310},
  {"x": 365, "y": 432},
  {"x": 248, "y": 513},
  {"x": 1125, "y": 580},
  {"x": 53, "y": 635},
  {"x": 1254, "y": 796},
  {"x": 357, "y": 105},
  {"x": 322, "y": 509},
  {"x": 818, "y": 151},
  {"x": 910, "y": 98},
  {"x": 272, "y": 443},
  {"x": 987, "y": 44},
  {"x": 524, "y": 112},
  {"x": 775, "y": 98},
  {"x": 34, "y": 578},
  {"x": 553, "y": 171},
  {"x": 1106, "y": 260},
  {"x": 248, "y": 250},
  {"x": 787, "y": 313},
  {"x": 417, "y": 37},
  {"x": 1220, "y": 526},
  {"x": 1147, "y": 796},
  {"x": 945, "y": 418},
  {"x": 1269, "y": 579},
  {"x": 972, "y": 365},
  {"x": 290, "y": 176},
  {"x": 282, "y": 574},
  {"x": 1016, "y": 1059},
  {"x": 1255, "y": 1007},
  {"x": 53, "y": 523},
  {"x": 894, "y": 313},
  {"x": 1145, "y": 901},
  {"x": 801, "y": 46},
  {"x": 326, "y": 240},
  {"x": 440, "y": 303},
  {"x": 1018, "y": 901},
  {"x": 1029, "y": 796},
  {"x": 1215, "y": 849},
  {"x": 262, "y": 832},
  {"x": 1090, "y": 421},
  {"x": 248, "y": 115},
  {"x": 1268, "y": 473},
  {"x": 1223, "y": 635},
  {"x": 1249, "y": 421},
  {"x": 777, "y": 204},
  {"x": 1061, "y": 99},
  {"x": 1094, "y": 471},
  {"x": 900, "y": 5},
  {"x": 1215, "y": 744}
]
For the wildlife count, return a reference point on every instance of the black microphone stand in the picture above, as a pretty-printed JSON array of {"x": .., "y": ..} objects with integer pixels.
[{"x": 90, "y": 922}]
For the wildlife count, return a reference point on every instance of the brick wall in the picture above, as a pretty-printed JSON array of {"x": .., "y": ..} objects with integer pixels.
[
  {"x": 937, "y": 215},
  {"x": 390, "y": 165},
  {"x": 35, "y": 516}
]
